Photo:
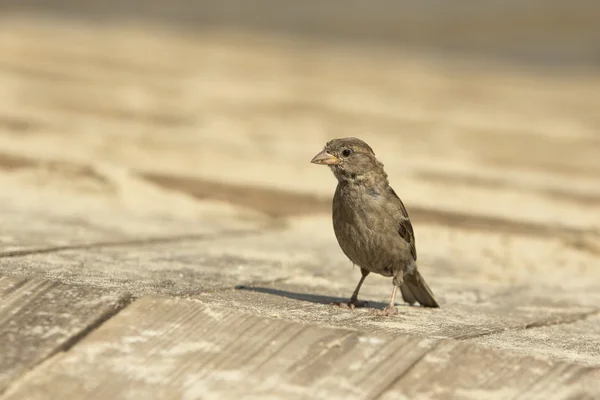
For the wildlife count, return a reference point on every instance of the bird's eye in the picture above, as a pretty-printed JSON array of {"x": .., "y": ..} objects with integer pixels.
[{"x": 346, "y": 152}]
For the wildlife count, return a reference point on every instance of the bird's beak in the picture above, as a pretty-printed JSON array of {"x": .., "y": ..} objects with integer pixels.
[{"x": 324, "y": 158}]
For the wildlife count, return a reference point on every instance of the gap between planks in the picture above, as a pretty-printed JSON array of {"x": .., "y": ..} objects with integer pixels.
[
  {"x": 555, "y": 321},
  {"x": 560, "y": 320},
  {"x": 123, "y": 301},
  {"x": 65, "y": 347},
  {"x": 272, "y": 356},
  {"x": 412, "y": 366},
  {"x": 98, "y": 322},
  {"x": 144, "y": 242}
]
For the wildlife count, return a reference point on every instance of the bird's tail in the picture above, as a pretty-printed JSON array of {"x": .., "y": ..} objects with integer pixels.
[{"x": 414, "y": 289}]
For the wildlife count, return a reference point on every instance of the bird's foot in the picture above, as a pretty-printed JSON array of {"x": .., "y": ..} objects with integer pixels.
[
  {"x": 387, "y": 312},
  {"x": 355, "y": 303},
  {"x": 352, "y": 304}
]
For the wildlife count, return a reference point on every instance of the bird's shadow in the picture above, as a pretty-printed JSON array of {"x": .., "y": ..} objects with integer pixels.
[{"x": 311, "y": 298}]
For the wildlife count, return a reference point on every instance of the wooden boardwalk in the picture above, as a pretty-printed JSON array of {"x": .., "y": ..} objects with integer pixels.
[{"x": 164, "y": 236}]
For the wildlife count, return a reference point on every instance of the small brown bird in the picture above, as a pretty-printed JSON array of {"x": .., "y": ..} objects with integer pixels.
[{"x": 371, "y": 223}]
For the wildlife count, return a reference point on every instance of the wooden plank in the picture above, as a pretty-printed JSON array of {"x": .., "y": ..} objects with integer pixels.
[
  {"x": 458, "y": 370},
  {"x": 42, "y": 229},
  {"x": 181, "y": 267},
  {"x": 81, "y": 205},
  {"x": 494, "y": 321},
  {"x": 161, "y": 348},
  {"x": 577, "y": 341},
  {"x": 317, "y": 273},
  {"x": 39, "y": 318},
  {"x": 40, "y": 220}
]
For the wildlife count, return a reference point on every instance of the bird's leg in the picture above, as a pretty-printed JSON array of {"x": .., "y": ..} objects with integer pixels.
[
  {"x": 391, "y": 309},
  {"x": 354, "y": 302}
]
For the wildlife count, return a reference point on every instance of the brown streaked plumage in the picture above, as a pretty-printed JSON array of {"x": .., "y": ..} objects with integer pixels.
[{"x": 371, "y": 223}]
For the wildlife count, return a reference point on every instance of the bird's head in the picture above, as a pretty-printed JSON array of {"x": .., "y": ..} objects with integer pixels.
[{"x": 349, "y": 159}]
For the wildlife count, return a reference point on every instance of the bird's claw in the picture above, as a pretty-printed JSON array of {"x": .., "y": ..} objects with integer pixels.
[
  {"x": 352, "y": 304},
  {"x": 387, "y": 312}
]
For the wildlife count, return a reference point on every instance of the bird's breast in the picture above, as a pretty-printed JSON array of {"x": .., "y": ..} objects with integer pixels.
[{"x": 360, "y": 226}]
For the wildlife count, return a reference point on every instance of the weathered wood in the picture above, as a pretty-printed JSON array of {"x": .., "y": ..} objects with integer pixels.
[
  {"x": 493, "y": 320},
  {"x": 183, "y": 267},
  {"x": 317, "y": 273},
  {"x": 577, "y": 341},
  {"x": 308, "y": 252},
  {"x": 37, "y": 221},
  {"x": 39, "y": 318},
  {"x": 458, "y": 370},
  {"x": 36, "y": 229},
  {"x": 168, "y": 348}
]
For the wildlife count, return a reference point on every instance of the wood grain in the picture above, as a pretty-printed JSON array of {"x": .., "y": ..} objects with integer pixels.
[
  {"x": 525, "y": 319},
  {"x": 186, "y": 266},
  {"x": 170, "y": 348},
  {"x": 578, "y": 340},
  {"x": 39, "y": 318},
  {"x": 455, "y": 370}
]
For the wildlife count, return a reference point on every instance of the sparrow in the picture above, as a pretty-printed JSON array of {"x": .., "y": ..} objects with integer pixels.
[{"x": 371, "y": 223}]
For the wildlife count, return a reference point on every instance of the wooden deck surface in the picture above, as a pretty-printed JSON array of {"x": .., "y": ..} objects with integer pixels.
[{"x": 164, "y": 236}]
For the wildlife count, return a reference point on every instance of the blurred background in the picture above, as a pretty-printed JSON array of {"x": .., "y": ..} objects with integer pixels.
[
  {"x": 485, "y": 113},
  {"x": 545, "y": 33}
]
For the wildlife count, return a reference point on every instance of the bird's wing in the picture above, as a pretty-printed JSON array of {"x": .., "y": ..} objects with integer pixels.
[{"x": 405, "y": 229}]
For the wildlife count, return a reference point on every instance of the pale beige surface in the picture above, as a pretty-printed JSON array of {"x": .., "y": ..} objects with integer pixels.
[
  {"x": 141, "y": 159},
  {"x": 40, "y": 318},
  {"x": 58, "y": 204},
  {"x": 524, "y": 146},
  {"x": 167, "y": 348}
]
